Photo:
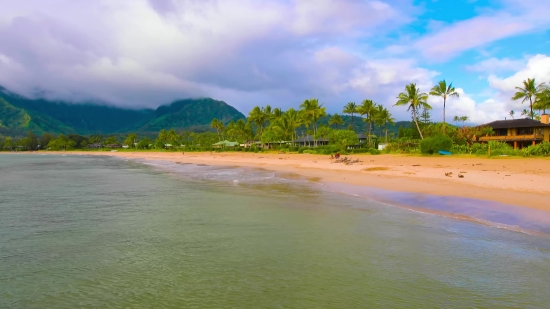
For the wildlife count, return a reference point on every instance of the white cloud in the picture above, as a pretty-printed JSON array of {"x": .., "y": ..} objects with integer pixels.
[{"x": 493, "y": 65}]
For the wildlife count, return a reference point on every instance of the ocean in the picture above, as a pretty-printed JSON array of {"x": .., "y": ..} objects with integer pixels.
[{"x": 100, "y": 232}]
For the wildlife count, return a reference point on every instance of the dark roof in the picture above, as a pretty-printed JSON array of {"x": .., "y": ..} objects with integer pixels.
[
  {"x": 361, "y": 136},
  {"x": 516, "y": 123},
  {"x": 309, "y": 139}
]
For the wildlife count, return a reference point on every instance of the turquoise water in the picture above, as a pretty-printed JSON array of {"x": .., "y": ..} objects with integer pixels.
[{"x": 87, "y": 232}]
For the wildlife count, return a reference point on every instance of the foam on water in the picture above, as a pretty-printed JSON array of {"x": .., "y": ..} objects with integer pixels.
[{"x": 498, "y": 215}]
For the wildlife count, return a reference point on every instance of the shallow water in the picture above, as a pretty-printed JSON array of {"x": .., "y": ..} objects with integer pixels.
[{"x": 88, "y": 232}]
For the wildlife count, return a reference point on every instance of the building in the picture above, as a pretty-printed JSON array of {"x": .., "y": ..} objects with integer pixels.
[
  {"x": 309, "y": 141},
  {"x": 519, "y": 133},
  {"x": 224, "y": 144},
  {"x": 95, "y": 146}
]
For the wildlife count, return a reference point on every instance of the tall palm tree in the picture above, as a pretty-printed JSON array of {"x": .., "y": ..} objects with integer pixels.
[
  {"x": 529, "y": 92},
  {"x": 336, "y": 120},
  {"x": 293, "y": 118},
  {"x": 386, "y": 118},
  {"x": 218, "y": 125},
  {"x": 351, "y": 109},
  {"x": 257, "y": 116},
  {"x": 512, "y": 113},
  {"x": 464, "y": 119},
  {"x": 525, "y": 112},
  {"x": 312, "y": 112},
  {"x": 377, "y": 117},
  {"x": 414, "y": 99},
  {"x": 444, "y": 91},
  {"x": 367, "y": 108}
]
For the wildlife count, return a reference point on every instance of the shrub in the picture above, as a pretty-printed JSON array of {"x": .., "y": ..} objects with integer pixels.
[
  {"x": 374, "y": 151},
  {"x": 542, "y": 149},
  {"x": 293, "y": 148},
  {"x": 311, "y": 151},
  {"x": 301, "y": 149},
  {"x": 431, "y": 145}
]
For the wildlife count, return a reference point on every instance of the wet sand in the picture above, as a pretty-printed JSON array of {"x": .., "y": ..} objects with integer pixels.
[{"x": 514, "y": 181}]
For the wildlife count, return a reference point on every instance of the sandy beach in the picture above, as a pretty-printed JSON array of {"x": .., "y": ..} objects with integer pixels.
[{"x": 515, "y": 181}]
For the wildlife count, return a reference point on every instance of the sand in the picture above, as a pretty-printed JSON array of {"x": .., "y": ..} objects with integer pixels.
[{"x": 515, "y": 181}]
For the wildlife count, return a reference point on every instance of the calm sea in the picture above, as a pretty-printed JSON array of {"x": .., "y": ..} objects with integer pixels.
[{"x": 91, "y": 232}]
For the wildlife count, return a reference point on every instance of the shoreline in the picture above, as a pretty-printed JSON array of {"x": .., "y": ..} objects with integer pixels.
[{"x": 523, "y": 182}]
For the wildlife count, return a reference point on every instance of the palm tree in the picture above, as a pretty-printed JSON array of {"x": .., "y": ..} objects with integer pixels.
[
  {"x": 464, "y": 119},
  {"x": 512, "y": 113},
  {"x": 444, "y": 91},
  {"x": 525, "y": 113},
  {"x": 377, "y": 117},
  {"x": 529, "y": 91},
  {"x": 542, "y": 101},
  {"x": 456, "y": 119},
  {"x": 351, "y": 109},
  {"x": 258, "y": 118},
  {"x": 367, "y": 108},
  {"x": 293, "y": 118},
  {"x": 216, "y": 124},
  {"x": 386, "y": 118},
  {"x": 414, "y": 99},
  {"x": 312, "y": 111},
  {"x": 276, "y": 114},
  {"x": 336, "y": 120}
]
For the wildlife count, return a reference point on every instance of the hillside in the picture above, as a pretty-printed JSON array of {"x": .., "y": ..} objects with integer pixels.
[
  {"x": 19, "y": 114},
  {"x": 191, "y": 113}
]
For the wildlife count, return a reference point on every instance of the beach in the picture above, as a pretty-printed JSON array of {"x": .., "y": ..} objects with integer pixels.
[{"x": 514, "y": 181}]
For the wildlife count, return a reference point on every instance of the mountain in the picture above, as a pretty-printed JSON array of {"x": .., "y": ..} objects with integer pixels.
[
  {"x": 192, "y": 113},
  {"x": 19, "y": 114}
]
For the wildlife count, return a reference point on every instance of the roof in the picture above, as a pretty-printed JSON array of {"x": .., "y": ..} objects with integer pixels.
[
  {"x": 516, "y": 123},
  {"x": 361, "y": 136},
  {"x": 309, "y": 139},
  {"x": 226, "y": 143}
]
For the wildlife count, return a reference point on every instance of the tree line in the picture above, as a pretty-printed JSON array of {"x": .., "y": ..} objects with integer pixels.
[{"x": 268, "y": 125}]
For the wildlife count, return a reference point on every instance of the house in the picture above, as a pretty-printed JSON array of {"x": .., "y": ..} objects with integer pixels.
[
  {"x": 519, "y": 133},
  {"x": 95, "y": 146},
  {"x": 309, "y": 141},
  {"x": 114, "y": 146},
  {"x": 362, "y": 138},
  {"x": 249, "y": 144},
  {"x": 224, "y": 144}
]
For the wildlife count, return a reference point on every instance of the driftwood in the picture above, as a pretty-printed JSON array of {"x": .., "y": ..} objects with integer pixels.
[{"x": 347, "y": 161}]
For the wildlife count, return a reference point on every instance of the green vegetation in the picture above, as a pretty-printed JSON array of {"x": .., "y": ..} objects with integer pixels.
[
  {"x": 197, "y": 124},
  {"x": 431, "y": 145}
]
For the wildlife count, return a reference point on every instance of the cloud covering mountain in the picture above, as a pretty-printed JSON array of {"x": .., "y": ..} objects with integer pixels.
[{"x": 144, "y": 53}]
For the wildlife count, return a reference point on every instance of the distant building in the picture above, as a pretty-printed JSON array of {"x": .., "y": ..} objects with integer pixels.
[
  {"x": 519, "y": 133},
  {"x": 224, "y": 144},
  {"x": 114, "y": 146},
  {"x": 308, "y": 140},
  {"x": 95, "y": 146}
]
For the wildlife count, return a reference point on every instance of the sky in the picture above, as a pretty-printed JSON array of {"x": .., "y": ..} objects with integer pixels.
[{"x": 145, "y": 53}]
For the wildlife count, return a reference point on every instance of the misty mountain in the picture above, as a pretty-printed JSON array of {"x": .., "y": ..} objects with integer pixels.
[{"x": 19, "y": 114}]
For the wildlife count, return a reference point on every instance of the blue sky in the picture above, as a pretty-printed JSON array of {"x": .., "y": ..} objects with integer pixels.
[{"x": 143, "y": 53}]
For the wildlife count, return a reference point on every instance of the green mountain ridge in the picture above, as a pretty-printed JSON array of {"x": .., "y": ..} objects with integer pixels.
[{"x": 19, "y": 115}]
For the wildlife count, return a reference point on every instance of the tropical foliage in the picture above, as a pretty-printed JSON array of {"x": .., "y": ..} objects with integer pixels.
[{"x": 444, "y": 91}]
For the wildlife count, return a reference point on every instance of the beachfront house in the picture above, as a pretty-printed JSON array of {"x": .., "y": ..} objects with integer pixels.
[
  {"x": 519, "y": 133},
  {"x": 224, "y": 144},
  {"x": 249, "y": 144},
  {"x": 309, "y": 141},
  {"x": 95, "y": 146}
]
